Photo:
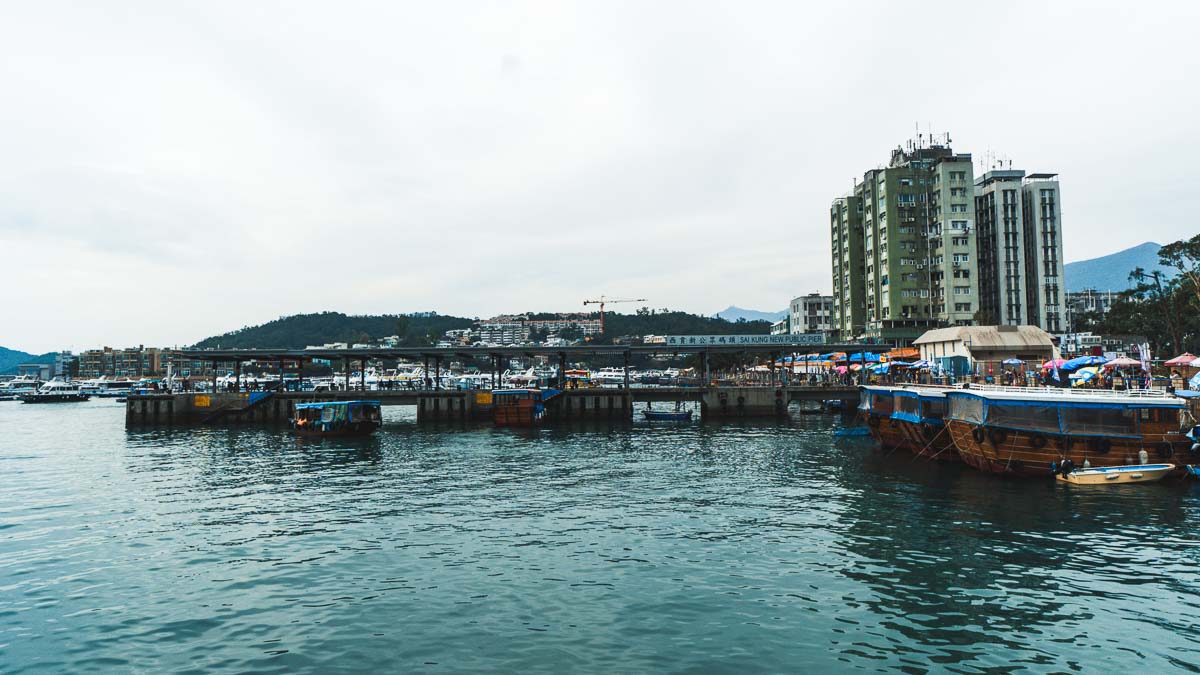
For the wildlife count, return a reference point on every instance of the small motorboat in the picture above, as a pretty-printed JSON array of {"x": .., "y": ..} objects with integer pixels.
[
  {"x": 668, "y": 415},
  {"x": 1105, "y": 475},
  {"x": 852, "y": 431}
]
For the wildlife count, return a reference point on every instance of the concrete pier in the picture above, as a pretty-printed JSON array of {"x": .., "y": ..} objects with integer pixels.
[{"x": 224, "y": 408}]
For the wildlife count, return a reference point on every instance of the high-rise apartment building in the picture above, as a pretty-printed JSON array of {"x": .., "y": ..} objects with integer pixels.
[
  {"x": 1020, "y": 250},
  {"x": 904, "y": 251},
  {"x": 849, "y": 311}
]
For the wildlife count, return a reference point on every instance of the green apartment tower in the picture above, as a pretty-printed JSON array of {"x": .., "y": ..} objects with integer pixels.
[{"x": 904, "y": 246}]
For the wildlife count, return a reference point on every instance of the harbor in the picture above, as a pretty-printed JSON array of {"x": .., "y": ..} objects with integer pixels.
[{"x": 245, "y": 547}]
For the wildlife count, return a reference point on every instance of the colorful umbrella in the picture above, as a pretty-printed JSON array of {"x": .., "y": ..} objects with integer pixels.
[
  {"x": 1012, "y": 362},
  {"x": 1083, "y": 375},
  {"x": 1083, "y": 361},
  {"x": 1054, "y": 363},
  {"x": 1181, "y": 360},
  {"x": 1122, "y": 362}
]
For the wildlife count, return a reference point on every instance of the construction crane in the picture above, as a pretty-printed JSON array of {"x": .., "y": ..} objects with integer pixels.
[{"x": 610, "y": 301}]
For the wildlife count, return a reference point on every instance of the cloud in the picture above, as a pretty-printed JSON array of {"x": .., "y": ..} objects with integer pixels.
[{"x": 187, "y": 168}]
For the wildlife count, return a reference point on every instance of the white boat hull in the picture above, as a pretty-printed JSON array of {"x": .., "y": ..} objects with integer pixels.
[{"x": 1144, "y": 473}]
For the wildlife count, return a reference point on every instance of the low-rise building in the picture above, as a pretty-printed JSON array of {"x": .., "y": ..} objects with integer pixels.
[
  {"x": 985, "y": 347},
  {"x": 812, "y": 313},
  {"x": 779, "y": 327}
]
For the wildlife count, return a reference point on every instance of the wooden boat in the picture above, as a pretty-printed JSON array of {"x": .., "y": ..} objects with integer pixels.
[
  {"x": 1111, "y": 475},
  {"x": 1031, "y": 430},
  {"x": 920, "y": 413},
  {"x": 877, "y": 404},
  {"x": 337, "y": 418},
  {"x": 517, "y": 407},
  {"x": 668, "y": 415}
]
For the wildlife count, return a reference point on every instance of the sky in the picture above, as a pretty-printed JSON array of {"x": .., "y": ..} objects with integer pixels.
[{"x": 175, "y": 170}]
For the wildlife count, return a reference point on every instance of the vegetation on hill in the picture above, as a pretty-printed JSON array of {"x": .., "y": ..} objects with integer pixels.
[
  {"x": 419, "y": 330},
  {"x": 11, "y": 358},
  {"x": 1111, "y": 272},
  {"x": 1162, "y": 304},
  {"x": 302, "y": 330},
  {"x": 666, "y": 322}
]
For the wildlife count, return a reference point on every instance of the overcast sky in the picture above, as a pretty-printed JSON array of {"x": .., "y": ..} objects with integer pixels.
[{"x": 175, "y": 170}]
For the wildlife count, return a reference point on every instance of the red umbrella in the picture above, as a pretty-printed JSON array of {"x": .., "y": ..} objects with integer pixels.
[{"x": 1181, "y": 360}]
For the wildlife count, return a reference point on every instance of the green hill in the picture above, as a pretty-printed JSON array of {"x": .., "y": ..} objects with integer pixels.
[
  {"x": 302, "y": 330},
  {"x": 11, "y": 358},
  {"x": 423, "y": 329}
]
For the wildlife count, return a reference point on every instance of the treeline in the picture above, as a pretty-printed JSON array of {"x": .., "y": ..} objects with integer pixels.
[
  {"x": 299, "y": 331},
  {"x": 424, "y": 329},
  {"x": 666, "y": 322},
  {"x": 1163, "y": 307}
]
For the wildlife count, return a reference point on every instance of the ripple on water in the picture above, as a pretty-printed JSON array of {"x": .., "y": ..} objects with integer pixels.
[{"x": 718, "y": 547}]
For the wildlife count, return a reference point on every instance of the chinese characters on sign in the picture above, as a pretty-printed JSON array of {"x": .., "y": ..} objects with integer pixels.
[{"x": 748, "y": 340}]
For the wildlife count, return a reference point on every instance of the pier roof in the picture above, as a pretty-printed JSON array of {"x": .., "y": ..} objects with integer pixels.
[{"x": 228, "y": 355}]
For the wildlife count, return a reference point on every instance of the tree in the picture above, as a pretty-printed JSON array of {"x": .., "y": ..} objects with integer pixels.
[{"x": 1184, "y": 255}]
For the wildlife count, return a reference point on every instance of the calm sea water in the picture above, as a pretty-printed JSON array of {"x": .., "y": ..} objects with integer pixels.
[{"x": 704, "y": 548}]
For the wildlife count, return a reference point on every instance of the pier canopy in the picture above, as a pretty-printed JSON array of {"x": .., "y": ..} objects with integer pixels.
[{"x": 575, "y": 352}]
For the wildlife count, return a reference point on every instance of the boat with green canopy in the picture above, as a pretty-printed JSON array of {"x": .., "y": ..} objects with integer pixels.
[{"x": 337, "y": 418}]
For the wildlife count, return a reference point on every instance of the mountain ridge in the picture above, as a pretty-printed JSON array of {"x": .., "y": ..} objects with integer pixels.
[{"x": 1111, "y": 272}]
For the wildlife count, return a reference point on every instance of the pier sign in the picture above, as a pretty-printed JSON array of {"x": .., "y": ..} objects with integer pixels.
[{"x": 785, "y": 340}]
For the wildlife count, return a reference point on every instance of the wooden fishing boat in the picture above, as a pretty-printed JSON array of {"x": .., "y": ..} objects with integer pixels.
[
  {"x": 877, "y": 403},
  {"x": 1031, "y": 430},
  {"x": 1112, "y": 475},
  {"x": 517, "y": 407},
  {"x": 337, "y": 418},
  {"x": 920, "y": 413}
]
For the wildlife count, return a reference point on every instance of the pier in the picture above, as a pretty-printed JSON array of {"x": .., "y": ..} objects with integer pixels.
[
  {"x": 225, "y": 408},
  {"x": 438, "y": 405}
]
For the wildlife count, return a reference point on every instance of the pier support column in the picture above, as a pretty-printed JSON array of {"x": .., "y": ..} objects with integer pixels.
[
  {"x": 562, "y": 370},
  {"x": 627, "y": 370},
  {"x": 362, "y": 374},
  {"x": 437, "y": 373},
  {"x": 346, "y": 365}
]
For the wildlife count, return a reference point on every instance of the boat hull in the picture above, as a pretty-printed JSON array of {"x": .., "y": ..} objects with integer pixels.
[
  {"x": 929, "y": 440},
  {"x": 1118, "y": 475},
  {"x": 887, "y": 432},
  {"x": 353, "y": 429},
  {"x": 667, "y": 416},
  {"x": 54, "y": 398},
  {"x": 1025, "y": 453}
]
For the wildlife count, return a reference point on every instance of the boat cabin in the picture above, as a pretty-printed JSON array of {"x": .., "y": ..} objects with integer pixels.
[
  {"x": 333, "y": 418},
  {"x": 1092, "y": 413},
  {"x": 517, "y": 407}
]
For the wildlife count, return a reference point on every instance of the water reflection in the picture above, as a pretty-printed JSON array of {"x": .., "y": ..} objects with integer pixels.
[{"x": 737, "y": 545}]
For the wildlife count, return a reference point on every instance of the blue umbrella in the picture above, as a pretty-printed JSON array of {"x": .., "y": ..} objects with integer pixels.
[
  {"x": 1013, "y": 362},
  {"x": 1083, "y": 361}
]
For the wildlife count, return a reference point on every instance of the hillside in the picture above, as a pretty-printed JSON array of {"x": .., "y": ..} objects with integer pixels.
[
  {"x": 11, "y": 358},
  {"x": 680, "y": 323},
  {"x": 734, "y": 313},
  {"x": 302, "y": 330},
  {"x": 1111, "y": 272}
]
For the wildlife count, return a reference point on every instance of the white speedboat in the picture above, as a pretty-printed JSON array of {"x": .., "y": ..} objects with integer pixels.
[
  {"x": 20, "y": 385},
  {"x": 1107, "y": 475},
  {"x": 55, "y": 391}
]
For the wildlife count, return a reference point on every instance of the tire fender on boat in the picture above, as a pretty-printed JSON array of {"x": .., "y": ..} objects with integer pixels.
[
  {"x": 978, "y": 434},
  {"x": 1037, "y": 441},
  {"x": 997, "y": 436}
]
